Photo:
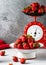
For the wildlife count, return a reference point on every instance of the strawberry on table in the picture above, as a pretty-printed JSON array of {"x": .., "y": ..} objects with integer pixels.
[
  {"x": 2, "y": 53},
  {"x": 22, "y": 60},
  {"x": 15, "y": 59},
  {"x": 10, "y": 64}
]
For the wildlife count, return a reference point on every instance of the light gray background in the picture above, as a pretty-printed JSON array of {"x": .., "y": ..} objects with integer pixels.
[{"x": 12, "y": 20}]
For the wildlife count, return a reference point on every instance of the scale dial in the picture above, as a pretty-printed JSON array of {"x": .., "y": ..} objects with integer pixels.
[{"x": 37, "y": 30}]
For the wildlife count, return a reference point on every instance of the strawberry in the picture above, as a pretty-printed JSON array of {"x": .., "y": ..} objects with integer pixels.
[
  {"x": 18, "y": 41},
  {"x": 22, "y": 60},
  {"x": 31, "y": 45},
  {"x": 2, "y": 53},
  {"x": 15, "y": 59},
  {"x": 40, "y": 10},
  {"x": 34, "y": 9},
  {"x": 45, "y": 8},
  {"x": 24, "y": 11},
  {"x": 42, "y": 6},
  {"x": 10, "y": 64},
  {"x": 23, "y": 38},
  {"x": 27, "y": 10},
  {"x": 36, "y": 4},
  {"x": 36, "y": 45},
  {"x": 15, "y": 45},
  {"x": 25, "y": 46},
  {"x": 30, "y": 39},
  {"x": 19, "y": 46}
]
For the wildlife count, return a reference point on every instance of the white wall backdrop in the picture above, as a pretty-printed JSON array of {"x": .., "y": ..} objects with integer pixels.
[{"x": 12, "y": 20}]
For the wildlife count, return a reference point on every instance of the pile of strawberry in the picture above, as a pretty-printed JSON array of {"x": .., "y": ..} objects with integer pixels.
[
  {"x": 35, "y": 8},
  {"x": 26, "y": 42}
]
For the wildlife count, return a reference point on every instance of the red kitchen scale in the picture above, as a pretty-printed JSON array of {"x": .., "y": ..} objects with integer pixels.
[{"x": 35, "y": 28}]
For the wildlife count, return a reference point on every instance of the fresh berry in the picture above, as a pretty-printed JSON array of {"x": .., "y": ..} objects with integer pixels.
[
  {"x": 34, "y": 9},
  {"x": 30, "y": 39},
  {"x": 35, "y": 4},
  {"x": 31, "y": 45},
  {"x": 37, "y": 45},
  {"x": 19, "y": 46},
  {"x": 22, "y": 61},
  {"x": 25, "y": 46},
  {"x": 40, "y": 11},
  {"x": 45, "y": 8},
  {"x": 15, "y": 59},
  {"x": 23, "y": 38},
  {"x": 2, "y": 53},
  {"x": 24, "y": 11},
  {"x": 15, "y": 45},
  {"x": 10, "y": 64},
  {"x": 18, "y": 41},
  {"x": 27, "y": 10}
]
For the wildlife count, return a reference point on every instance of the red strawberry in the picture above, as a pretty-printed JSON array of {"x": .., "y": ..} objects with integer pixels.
[
  {"x": 10, "y": 64},
  {"x": 27, "y": 10},
  {"x": 15, "y": 59},
  {"x": 31, "y": 45},
  {"x": 34, "y": 8},
  {"x": 19, "y": 46},
  {"x": 23, "y": 38},
  {"x": 40, "y": 10},
  {"x": 22, "y": 60},
  {"x": 45, "y": 8},
  {"x": 18, "y": 41},
  {"x": 24, "y": 11},
  {"x": 36, "y": 4},
  {"x": 2, "y": 53},
  {"x": 37, "y": 45},
  {"x": 15, "y": 45},
  {"x": 25, "y": 46},
  {"x": 30, "y": 39}
]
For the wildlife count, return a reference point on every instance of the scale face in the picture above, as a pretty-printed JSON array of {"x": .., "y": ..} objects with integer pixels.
[{"x": 37, "y": 30}]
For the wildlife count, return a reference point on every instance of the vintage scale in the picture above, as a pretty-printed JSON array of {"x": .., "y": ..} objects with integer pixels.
[{"x": 36, "y": 29}]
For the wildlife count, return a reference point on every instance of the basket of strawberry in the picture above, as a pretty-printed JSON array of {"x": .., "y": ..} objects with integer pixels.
[
  {"x": 35, "y": 9},
  {"x": 26, "y": 46}
]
